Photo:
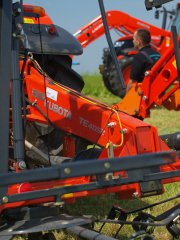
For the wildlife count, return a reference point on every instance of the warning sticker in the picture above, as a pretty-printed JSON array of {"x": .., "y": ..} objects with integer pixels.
[
  {"x": 174, "y": 64},
  {"x": 28, "y": 20},
  {"x": 52, "y": 94}
]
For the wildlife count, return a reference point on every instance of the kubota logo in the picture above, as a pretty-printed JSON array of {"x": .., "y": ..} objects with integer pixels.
[{"x": 58, "y": 109}]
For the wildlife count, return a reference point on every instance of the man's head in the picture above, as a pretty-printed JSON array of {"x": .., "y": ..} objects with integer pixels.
[{"x": 141, "y": 38}]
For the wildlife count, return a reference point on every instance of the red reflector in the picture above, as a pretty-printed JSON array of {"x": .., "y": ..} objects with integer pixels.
[
  {"x": 34, "y": 9},
  {"x": 24, "y": 187},
  {"x": 52, "y": 30}
]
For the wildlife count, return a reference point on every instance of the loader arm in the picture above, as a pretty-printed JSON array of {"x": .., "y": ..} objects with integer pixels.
[
  {"x": 123, "y": 23},
  {"x": 159, "y": 87}
]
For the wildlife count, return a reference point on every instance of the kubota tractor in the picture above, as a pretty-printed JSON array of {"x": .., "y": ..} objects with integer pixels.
[{"x": 125, "y": 25}]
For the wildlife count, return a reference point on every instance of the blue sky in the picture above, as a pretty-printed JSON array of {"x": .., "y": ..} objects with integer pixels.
[{"x": 73, "y": 14}]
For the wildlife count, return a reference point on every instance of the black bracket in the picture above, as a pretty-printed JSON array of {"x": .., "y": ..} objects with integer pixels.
[{"x": 155, "y": 3}]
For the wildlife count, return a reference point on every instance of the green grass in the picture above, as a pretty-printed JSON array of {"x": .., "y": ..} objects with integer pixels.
[
  {"x": 94, "y": 87},
  {"x": 165, "y": 121}
]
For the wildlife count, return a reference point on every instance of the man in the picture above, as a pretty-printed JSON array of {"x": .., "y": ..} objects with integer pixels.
[{"x": 144, "y": 59}]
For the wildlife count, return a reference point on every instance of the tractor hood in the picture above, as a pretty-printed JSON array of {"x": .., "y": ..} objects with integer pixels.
[{"x": 54, "y": 40}]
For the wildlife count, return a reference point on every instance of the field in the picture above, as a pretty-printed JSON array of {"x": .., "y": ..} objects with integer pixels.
[{"x": 166, "y": 122}]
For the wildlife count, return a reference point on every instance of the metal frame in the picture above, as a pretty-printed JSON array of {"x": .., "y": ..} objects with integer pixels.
[
  {"x": 5, "y": 75},
  {"x": 141, "y": 168}
]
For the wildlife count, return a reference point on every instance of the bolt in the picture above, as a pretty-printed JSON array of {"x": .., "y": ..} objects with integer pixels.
[
  {"x": 107, "y": 165},
  {"x": 21, "y": 165},
  {"x": 136, "y": 111},
  {"x": 135, "y": 195},
  {"x": 124, "y": 130},
  {"x": 146, "y": 73},
  {"x": 67, "y": 170},
  {"x": 145, "y": 98},
  {"x": 140, "y": 92},
  {"x": 19, "y": 26},
  {"x": 34, "y": 103},
  {"x": 5, "y": 199},
  {"x": 111, "y": 124},
  {"x": 14, "y": 35},
  {"x": 19, "y": 10}
]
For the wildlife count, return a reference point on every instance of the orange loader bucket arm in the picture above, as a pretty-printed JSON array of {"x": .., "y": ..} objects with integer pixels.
[
  {"x": 123, "y": 23},
  {"x": 160, "y": 87}
]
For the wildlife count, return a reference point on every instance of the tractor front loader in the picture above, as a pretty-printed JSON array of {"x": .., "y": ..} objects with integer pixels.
[
  {"x": 57, "y": 145},
  {"x": 160, "y": 86},
  {"x": 125, "y": 25}
]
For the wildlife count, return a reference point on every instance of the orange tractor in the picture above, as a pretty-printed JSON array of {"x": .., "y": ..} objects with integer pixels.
[
  {"x": 125, "y": 25},
  {"x": 46, "y": 126},
  {"x": 143, "y": 96}
]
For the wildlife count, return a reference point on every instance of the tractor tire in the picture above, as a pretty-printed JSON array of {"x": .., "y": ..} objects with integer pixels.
[{"x": 110, "y": 77}]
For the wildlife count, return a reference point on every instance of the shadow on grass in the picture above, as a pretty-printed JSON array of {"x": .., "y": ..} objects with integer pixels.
[{"x": 99, "y": 206}]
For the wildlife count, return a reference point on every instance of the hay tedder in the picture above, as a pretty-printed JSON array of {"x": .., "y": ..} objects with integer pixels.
[{"x": 57, "y": 145}]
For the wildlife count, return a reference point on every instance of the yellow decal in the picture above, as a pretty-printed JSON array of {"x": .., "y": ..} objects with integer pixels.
[
  {"x": 66, "y": 195},
  {"x": 28, "y": 20},
  {"x": 174, "y": 64}
]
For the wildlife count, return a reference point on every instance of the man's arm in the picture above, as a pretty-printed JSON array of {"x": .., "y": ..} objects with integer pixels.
[{"x": 136, "y": 71}]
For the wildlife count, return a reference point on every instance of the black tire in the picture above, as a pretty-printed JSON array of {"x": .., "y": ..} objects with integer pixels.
[{"x": 110, "y": 77}]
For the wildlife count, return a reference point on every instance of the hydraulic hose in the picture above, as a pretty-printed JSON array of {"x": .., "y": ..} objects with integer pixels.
[{"x": 172, "y": 140}]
